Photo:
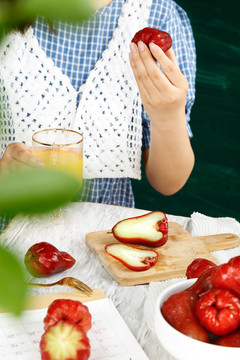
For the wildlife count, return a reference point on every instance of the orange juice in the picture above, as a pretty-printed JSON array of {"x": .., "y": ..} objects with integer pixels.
[{"x": 65, "y": 160}]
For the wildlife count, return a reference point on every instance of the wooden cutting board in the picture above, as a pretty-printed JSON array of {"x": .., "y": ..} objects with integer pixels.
[{"x": 174, "y": 257}]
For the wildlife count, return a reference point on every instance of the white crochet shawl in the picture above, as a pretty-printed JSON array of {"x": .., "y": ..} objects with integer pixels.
[{"x": 36, "y": 95}]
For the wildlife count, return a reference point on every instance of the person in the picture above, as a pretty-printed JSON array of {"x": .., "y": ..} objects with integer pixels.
[{"x": 126, "y": 104}]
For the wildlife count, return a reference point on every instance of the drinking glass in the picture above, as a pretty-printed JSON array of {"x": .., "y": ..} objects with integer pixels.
[{"x": 60, "y": 149}]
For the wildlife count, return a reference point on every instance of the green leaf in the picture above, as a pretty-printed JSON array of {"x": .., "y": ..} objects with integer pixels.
[
  {"x": 2, "y": 33},
  {"x": 35, "y": 191},
  {"x": 20, "y": 13},
  {"x": 70, "y": 10},
  {"x": 65, "y": 10},
  {"x": 12, "y": 282}
]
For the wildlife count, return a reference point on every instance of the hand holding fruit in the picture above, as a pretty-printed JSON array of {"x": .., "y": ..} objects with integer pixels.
[
  {"x": 163, "y": 91},
  {"x": 150, "y": 35}
]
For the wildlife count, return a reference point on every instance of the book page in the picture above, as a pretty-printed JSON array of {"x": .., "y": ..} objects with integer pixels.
[{"x": 110, "y": 338}]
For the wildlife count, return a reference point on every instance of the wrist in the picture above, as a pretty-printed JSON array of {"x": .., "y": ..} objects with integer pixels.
[{"x": 169, "y": 122}]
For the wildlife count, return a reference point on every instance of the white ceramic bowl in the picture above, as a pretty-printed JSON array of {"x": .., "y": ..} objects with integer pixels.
[{"x": 180, "y": 346}]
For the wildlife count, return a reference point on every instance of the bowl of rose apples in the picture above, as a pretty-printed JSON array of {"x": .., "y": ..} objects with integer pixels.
[{"x": 199, "y": 318}]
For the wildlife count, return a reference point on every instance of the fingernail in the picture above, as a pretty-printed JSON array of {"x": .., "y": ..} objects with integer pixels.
[
  {"x": 133, "y": 47},
  {"x": 153, "y": 47},
  {"x": 141, "y": 46}
]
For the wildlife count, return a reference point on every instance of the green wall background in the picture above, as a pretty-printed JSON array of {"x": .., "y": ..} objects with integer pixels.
[{"x": 213, "y": 187}]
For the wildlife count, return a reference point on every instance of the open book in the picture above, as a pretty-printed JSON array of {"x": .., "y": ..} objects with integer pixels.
[{"x": 110, "y": 338}]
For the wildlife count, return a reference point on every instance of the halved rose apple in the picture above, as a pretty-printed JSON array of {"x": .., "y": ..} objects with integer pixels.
[
  {"x": 133, "y": 258},
  {"x": 64, "y": 340},
  {"x": 150, "y": 229}
]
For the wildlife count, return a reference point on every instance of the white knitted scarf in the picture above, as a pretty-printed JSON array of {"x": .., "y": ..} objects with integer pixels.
[{"x": 35, "y": 95}]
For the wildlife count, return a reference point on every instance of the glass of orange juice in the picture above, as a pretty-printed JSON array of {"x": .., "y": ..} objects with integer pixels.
[{"x": 60, "y": 149}]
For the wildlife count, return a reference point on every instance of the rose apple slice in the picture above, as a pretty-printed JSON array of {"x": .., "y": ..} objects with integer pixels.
[
  {"x": 133, "y": 258},
  {"x": 64, "y": 340},
  {"x": 150, "y": 229}
]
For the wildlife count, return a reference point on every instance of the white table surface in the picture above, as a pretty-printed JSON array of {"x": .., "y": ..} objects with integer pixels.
[{"x": 67, "y": 233}]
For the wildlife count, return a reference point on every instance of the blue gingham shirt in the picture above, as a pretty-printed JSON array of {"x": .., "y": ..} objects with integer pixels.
[{"x": 75, "y": 50}]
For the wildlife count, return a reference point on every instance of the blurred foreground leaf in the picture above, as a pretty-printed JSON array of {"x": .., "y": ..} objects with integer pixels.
[
  {"x": 68, "y": 10},
  {"x": 12, "y": 282},
  {"x": 35, "y": 191},
  {"x": 18, "y": 13},
  {"x": 40, "y": 190}
]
